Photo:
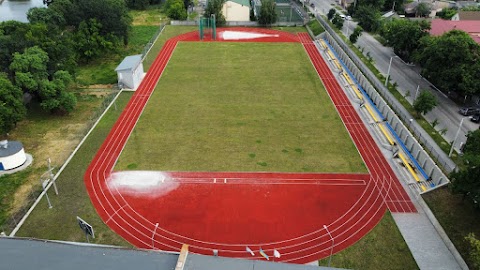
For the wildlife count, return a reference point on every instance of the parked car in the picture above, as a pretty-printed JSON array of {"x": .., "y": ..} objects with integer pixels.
[
  {"x": 469, "y": 111},
  {"x": 475, "y": 118}
]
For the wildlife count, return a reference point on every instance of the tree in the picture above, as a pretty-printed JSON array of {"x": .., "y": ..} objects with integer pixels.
[
  {"x": 175, "y": 10},
  {"x": 425, "y": 102},
  {"x": 30, "y": 68},
  {"x": 47, "y": 16},
  {"x": 471, "y": 151},
  {"x": 368, "y": 18},
  {"x": 111, "y": 14},
  {"x": 267, "y": 14},
  {"x": 12, "y": 109},
  {"x": 466, "y": 183},
  {"x": 475, "y": 250},
  {"x": 54, "y": 96},
  {"x": 395, "y": 5},
  {"x": 331, "y": 14},
  {"x": 447, "y": 13},
  {"x": 356, "y": 34},
  {"x": 376, "y": 4},
  {"x": 450, "y": 61},
  {"x": 423, "y": 10},
  {"x": 338, "y": 21},
  {"x": 404, "y": 35},
  {"x": 214, "y": 7},
  {"x": 89, "y": 42},
  {"x": 138, "y": 4}
]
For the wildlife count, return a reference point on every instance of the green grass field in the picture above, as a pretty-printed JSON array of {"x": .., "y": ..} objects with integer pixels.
[
  {"x": 293, "y": 96},
  {"x": 240, "y": 107}
]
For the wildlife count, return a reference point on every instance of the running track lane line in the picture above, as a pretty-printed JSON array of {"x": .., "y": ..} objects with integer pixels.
[{"x": 136, "y": 107}]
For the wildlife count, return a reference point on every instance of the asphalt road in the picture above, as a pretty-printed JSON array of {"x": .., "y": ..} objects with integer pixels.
[{"x": 408, "y": 79}]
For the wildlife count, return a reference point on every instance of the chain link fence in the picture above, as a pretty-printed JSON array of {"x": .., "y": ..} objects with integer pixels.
[{"x": 150, "y": 43}]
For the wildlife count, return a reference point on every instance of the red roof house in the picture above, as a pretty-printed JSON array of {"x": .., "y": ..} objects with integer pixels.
[{"x": 440, "y": 26}]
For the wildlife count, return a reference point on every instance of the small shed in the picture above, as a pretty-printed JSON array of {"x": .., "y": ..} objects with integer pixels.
[
  {"x": 130, "y": 72},
  {"x": 12, "y": 155}
]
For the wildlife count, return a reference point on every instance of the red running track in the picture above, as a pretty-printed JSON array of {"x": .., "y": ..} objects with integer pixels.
[{"x": 261, "y": 210}]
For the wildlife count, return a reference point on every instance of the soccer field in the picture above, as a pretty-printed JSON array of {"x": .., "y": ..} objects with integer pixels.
[{"x": 240, "y": 107}]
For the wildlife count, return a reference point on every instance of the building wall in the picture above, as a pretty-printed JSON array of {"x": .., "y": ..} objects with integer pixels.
[
  {"x": 236, "y": 12},
  {"x": 14, "y": 160},
  {"x": 129, "y": 79}
]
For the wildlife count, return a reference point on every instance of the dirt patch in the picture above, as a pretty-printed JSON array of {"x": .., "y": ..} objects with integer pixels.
[
  {"x": 57, "y": 145},
  {"x": 53, "y": 138}
]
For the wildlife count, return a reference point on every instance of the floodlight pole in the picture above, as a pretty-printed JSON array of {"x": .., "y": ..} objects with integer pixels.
[
  {"x": 416, "y": 93},
  {"x": 456, "y": 135},
  {"x": 50, "y": 170},
  {"x": 388, "y": 72},
  {"x": 331, "y": 248},
  {"x": 44, "y": 184}
]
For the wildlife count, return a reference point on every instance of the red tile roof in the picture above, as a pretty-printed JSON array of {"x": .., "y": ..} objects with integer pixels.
[{"x": 440, "y": 26}]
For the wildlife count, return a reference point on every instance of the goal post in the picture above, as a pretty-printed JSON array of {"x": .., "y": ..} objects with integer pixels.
[{"x": 207, "y": 28}]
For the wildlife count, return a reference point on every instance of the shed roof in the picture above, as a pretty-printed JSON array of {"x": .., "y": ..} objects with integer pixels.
[
  {"x": 130, "y": 62},
  {"x": 241, "y": 2},
  {"x": 52, "y": 255},
  {"x": 469, "y": 15},
  {"x": 13, "y": 147},
  {"x": 440, "y": 26}
]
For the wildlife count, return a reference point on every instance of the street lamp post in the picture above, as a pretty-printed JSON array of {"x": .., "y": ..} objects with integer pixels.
[
  {"x": 331, "y": 248},
  {"x": 388, "y": 72},
  {"x": 416, "y": 92},
  {"x": 456, "y": 135}
]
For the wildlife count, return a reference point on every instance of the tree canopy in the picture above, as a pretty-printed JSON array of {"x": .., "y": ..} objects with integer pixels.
[
  {"x": 425, "y": 102},
  {"x": 465, "y": 181},
  {"x": 12, "y": 109},
  {"x": 404, "y": 35},
  {"x": 175, "y": 9},
  {"x": 214, "y": 7},
  {"x": 368, "y": 17},
  {"x": 267, "y": 14},
  {"x": 451, "y": 61},
  {"x": 30, "y": 68}
]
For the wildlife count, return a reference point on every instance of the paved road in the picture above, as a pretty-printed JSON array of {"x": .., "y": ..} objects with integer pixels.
[{"x": 408, "y": 80}]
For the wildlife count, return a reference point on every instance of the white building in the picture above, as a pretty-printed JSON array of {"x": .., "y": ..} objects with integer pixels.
[
  {"x": 130, "y": 72},
  {"x": 12, "y": 155},
  {"x": 236, "y": 10}
]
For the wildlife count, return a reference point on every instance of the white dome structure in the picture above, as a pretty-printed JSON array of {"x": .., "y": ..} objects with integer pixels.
[{"x": 12, "y": 155}]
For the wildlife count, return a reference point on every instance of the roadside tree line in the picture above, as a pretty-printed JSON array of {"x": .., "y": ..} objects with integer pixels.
[
  {"x": 450, "y": 61},
  {"x": 38, "y": 59}
]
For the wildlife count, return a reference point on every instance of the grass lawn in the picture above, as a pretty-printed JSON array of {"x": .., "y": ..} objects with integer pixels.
[
  {"x": 457, "y": 217},
  {"x": 265, "y": 112},
  {"x": 382, "y": 248},
  {"x": 60, "y": 223},
  {"x": 316, "y": 28},
  {"x": 44, "y": 136}
]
